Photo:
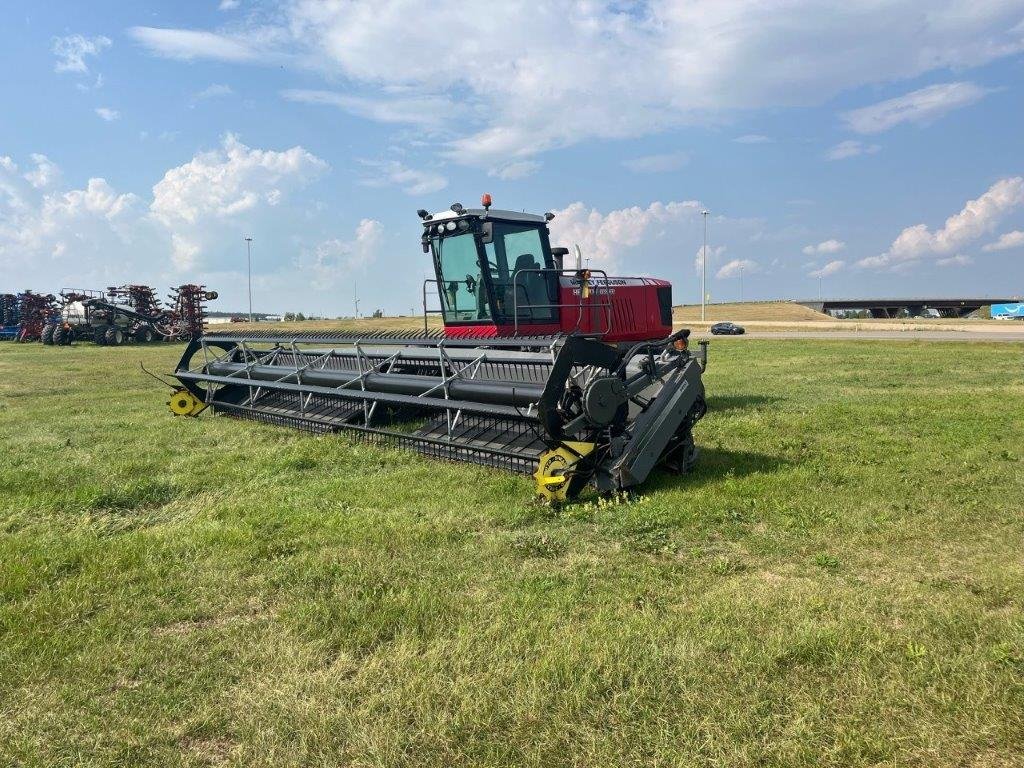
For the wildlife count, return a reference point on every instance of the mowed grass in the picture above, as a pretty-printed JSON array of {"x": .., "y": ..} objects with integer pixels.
[
  {"x": 778, "y": 311},
  {"x": 839, "y": 583}
]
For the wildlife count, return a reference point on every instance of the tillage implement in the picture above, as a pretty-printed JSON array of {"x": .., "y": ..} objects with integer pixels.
[{"x": 568, "y": 374}]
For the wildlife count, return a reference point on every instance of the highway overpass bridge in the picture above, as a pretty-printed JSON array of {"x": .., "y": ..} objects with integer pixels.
[{"x": 955, "y": 307}]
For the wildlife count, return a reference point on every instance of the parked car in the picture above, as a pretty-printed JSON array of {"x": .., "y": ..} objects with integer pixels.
[{"x": 727, "y": 329}]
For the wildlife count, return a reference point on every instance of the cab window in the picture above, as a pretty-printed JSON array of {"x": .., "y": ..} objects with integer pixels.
[
  {"x": 463, "y": 293},
  {"x": 516, "y": 256}
]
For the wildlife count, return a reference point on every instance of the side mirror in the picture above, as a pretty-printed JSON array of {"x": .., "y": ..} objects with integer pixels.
[{"x": 487, "y": 232}]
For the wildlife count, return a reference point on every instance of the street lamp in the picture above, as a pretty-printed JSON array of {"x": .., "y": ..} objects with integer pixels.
[
  {"x": 248, "y": 260},
  {"x": 704, "y": 267}
]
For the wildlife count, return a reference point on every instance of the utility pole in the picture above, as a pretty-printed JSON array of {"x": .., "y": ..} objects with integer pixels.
[
  {"x": 704, "y": 267},
  {"x": 355, "y": 296},
  {"x": 741, "y": 283},
  {"x": 819, "y": 287},
  {"x": 248, "y": 259}
]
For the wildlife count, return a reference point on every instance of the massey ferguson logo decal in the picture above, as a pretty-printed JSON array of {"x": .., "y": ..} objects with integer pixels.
[{"x": 599, "y": 281}]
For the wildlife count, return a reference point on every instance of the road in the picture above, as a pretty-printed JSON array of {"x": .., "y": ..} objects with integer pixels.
[{"x": 1008, "y": 335}]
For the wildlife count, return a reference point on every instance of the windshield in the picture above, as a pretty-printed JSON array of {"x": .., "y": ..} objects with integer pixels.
[{"x": 463, "y": 294}]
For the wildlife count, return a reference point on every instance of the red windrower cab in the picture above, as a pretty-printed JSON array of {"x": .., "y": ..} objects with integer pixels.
[{"x": 497, "y": 275}]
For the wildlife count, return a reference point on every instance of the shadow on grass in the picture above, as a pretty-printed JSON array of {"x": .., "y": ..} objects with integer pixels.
[
  {"x": 721, "y": 403},
  {"x": 713, "y": 465}
]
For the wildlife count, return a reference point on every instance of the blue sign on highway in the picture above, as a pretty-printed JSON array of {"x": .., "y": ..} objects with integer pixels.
[{"x": 1008, "y": 310}]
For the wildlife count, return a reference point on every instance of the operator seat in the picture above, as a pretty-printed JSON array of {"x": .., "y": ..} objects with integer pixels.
[{"x": 531, "y": 288}]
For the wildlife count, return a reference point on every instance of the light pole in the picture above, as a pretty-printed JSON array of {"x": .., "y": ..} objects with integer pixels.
[
  {"x": 741, "y": 283},
  {"x": 248, "y": 260},
  {"x": 819, "y": 287},
  {"x": 704, "y": 267}
]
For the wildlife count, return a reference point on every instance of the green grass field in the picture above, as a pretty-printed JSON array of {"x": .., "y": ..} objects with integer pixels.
[{"x": 839, "y": 583}]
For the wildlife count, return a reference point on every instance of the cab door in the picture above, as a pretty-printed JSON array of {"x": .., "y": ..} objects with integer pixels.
[{"x": 523, "y": 278}]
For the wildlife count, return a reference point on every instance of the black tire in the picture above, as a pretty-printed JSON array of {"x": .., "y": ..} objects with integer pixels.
[
  {"x": 59, "y": 337},
  {"x": 144, "y": 335},
  {"x": 47, "y": 335},
  {"x": 99, "y": 337},
  {"x": 113, "y": 337}
]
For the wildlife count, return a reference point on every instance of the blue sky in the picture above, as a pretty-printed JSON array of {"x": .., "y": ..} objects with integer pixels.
[{"x": 877, "y": 146}]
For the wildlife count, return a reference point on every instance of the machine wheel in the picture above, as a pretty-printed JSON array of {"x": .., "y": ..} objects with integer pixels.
[
  {"x": 47, "y": 335},
  {"x": 113, "y": 337},
  {"x": 99, "y": 337},
  {"x": 60, "y": 336},
  {"x": 144, "y": 335}
]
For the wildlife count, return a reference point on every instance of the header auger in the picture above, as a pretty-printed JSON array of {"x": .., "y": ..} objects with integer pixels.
[{"x": 574, "y": 378}]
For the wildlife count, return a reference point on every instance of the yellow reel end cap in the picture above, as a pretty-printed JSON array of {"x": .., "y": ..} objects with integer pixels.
[
  {"x": 184, "y": 403},
  {"x": 552, "y": 466}
]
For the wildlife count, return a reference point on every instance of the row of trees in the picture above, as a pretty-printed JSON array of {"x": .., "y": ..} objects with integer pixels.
[{"x": 290, "y": 316}]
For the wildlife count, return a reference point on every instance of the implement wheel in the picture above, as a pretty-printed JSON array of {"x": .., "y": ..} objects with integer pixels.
[
  {"x": 60, "y": 336},
  {"x": 47, "y": 335},
  {"x": 113, "y": 337},
  {"x": 144, "y": 335}
]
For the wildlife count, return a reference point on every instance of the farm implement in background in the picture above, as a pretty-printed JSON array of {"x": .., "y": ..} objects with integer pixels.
[
  {"x": 23, "y": 316},
  {"x": 10, "y": 316},
  {"x": 128, "y": 313},
  {"x": 567, "y": 374}
]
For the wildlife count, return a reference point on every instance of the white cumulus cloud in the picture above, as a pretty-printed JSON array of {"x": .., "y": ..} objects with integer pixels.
[
  {"x": 331, "y": 261},
  {"x": 48, "y": 230},
  {"x": 604, "y": 237},
  {"x": 737, "y": 267},
  {"x": 1006, "y": 241},
  {"x": 230, "y": 180},
  {"x": 605, "y": 69},
  {"x": 831, "y": 268},
  {"x": 825, "y": 247},
  {"x": 45, "y": 174},
  {"x": 978, "y": 217},
  {"x": 921, "y": 106},
  {"x": 108, "y": 114},
  {"x": 715, "y": 253}
]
